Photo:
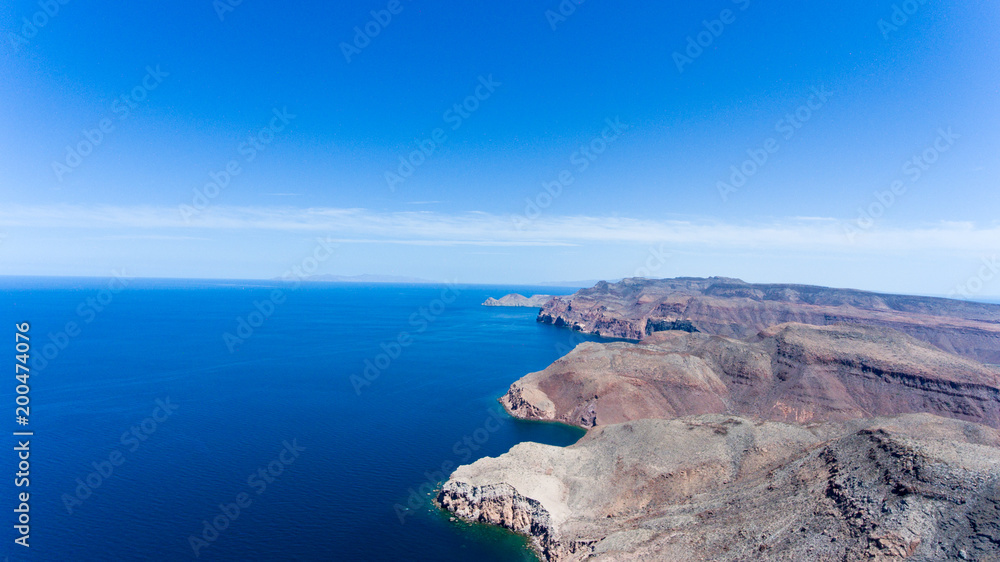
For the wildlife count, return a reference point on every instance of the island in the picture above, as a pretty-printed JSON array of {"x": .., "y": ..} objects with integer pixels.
[
  {"x": 514, "y": 299},
  {"x": 735, "y": 421}
]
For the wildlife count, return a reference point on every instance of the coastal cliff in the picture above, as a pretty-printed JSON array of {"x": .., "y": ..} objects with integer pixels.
[{"x": 764, "y": 422}]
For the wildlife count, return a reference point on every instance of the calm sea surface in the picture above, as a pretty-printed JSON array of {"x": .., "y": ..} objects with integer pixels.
[{"x": 315, "y": 432}]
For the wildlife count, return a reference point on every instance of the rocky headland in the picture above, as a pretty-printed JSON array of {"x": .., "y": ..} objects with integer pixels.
[
  {"x": 789, "y": 372},
  {"x": 514, "y": 299},
  {"x": 749, "y": 422}
]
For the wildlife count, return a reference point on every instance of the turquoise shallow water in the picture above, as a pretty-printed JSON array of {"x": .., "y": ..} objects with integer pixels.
[{"x": 347, "y": 462}]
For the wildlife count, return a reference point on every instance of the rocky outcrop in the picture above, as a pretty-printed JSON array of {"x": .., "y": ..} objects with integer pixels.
[
  {"x": 731, "y": 488},
  {"x": 636, "y": 308},
  {"x": 501, "y": 504},
  {"x": 791, "y": 372},
  {"x": 514, "y": 299}
]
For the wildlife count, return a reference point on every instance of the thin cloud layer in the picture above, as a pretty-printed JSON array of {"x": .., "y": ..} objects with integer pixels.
[{"x": 485, "y": 229}]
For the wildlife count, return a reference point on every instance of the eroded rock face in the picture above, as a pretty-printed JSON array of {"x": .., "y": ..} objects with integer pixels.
[
  {"x": 791, "y": 372},
  {"x": 636, "y": 308},
  {"x": 514, "y": 299},
  {"x": 719, "y": 487}
]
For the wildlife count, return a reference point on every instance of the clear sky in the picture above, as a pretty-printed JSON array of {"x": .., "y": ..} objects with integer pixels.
[{"x": 638, "y": 116}]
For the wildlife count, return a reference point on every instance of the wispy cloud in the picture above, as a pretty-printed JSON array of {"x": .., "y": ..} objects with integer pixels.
[
  {"x": 484, "y": 229},
  {"x": 417, "y": 242},
  {"x": 147, "y": 237}
]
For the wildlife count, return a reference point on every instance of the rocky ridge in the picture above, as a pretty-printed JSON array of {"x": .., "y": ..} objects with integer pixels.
[{"x": 636, "y": 308}]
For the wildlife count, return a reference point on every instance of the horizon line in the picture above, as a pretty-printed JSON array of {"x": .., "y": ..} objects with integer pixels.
[{"x": 984, "y": 298}]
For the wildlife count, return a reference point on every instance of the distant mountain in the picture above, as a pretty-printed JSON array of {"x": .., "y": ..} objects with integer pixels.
[
  {"x": 368, "y": 278},
  {"x": 515, "y": 299}
]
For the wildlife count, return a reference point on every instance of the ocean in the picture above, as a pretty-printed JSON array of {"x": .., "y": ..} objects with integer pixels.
[{"x": 231, "y": 420}]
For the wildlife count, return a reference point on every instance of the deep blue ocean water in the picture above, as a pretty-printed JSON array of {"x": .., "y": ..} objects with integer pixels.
[{"x": 359, "y": 458}]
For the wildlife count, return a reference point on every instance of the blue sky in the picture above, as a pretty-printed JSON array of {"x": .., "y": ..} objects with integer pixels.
[{"x": 840, "y": 98}]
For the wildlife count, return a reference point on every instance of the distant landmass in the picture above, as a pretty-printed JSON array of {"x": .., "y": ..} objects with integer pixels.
[
  {"x": 368, "y": 278},
  {"x": 573, "y": 284},
  {"x": 515, "y": 299},
  {"x": 754, "y": 422}
]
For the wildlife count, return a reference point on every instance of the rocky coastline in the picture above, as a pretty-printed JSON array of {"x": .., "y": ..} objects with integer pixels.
[{"x": 771, "y": 422}]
